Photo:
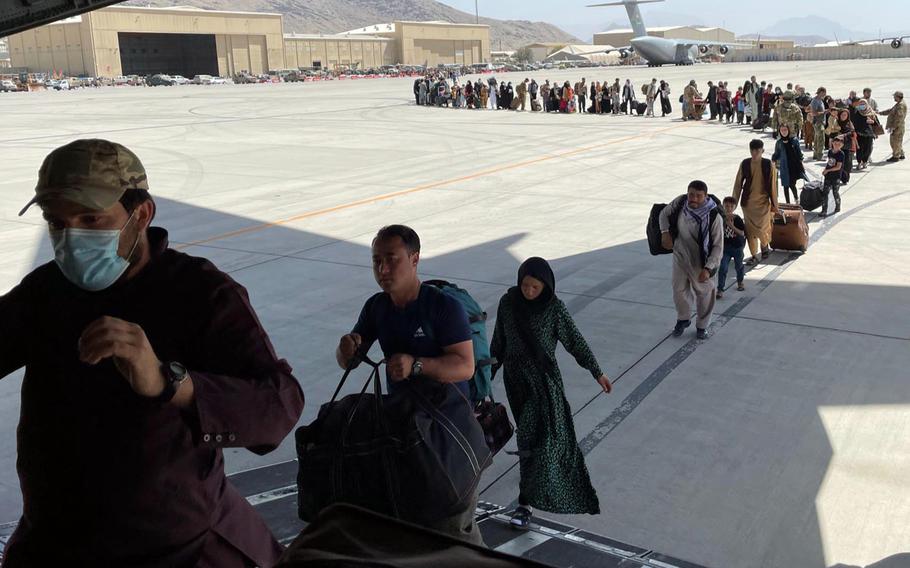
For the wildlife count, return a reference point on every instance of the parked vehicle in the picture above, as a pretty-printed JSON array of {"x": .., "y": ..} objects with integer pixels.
[
  {"x": 160, "y": 81},
  {"x": 202, "y": 80},
  {"x": 180, "y": 80},
  {"x": 219, "y": 81},
  {"x": 8, "y": 86},
  {"x": 244, "y": 78},
  {"x": 290, "y": 75}
]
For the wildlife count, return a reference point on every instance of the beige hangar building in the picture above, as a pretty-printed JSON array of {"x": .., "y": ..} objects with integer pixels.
[
  {"x": 126, "y": 40},
  {"x": 623, "y": 37}
]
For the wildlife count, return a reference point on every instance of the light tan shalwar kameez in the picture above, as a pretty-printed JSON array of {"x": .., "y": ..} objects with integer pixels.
[{"x": 757, "y": 211}]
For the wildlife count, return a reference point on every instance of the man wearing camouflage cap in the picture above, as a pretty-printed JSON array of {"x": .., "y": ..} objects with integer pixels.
[
  {"x": 897, "y": 116},
  {"x": 789, "y": 113},
  {"x": 141, "y": 365}
]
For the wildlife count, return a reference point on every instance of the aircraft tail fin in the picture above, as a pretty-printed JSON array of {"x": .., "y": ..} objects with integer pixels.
[{"x": 638, "y": 24}]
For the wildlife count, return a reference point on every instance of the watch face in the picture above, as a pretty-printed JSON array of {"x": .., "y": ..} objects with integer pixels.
[{"x": 177, "y": 371}]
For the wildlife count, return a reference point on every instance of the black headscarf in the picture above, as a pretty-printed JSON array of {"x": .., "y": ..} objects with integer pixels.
[{"x": 538, "y": 268}]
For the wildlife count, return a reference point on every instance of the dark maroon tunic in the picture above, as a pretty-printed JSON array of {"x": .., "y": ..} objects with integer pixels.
[{"x": 112, "y": 479}]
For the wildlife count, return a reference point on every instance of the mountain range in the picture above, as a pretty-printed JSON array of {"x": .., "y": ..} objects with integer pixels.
[{"x": 335, "y": 16}]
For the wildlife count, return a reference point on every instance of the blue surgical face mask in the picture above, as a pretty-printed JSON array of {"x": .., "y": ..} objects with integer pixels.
[
  {"x": 88, "y": 257},
  {"x": 862, "y": 107}
]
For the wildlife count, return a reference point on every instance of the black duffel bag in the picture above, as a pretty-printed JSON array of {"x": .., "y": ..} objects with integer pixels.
[
  {"x": 653, "y": 231},
  {"x": 416, "y": 455}
]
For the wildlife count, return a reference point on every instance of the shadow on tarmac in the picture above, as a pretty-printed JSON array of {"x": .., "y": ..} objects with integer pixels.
[{"x": 624, "y": 273}]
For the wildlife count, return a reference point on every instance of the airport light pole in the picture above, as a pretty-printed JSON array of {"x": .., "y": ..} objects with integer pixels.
[{"x": 476, "y": 13}]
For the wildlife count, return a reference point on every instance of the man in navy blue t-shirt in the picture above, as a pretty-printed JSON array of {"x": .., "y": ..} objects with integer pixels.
[
  {"x": 418, "y": 331},
  {"x": 424, "y": 334}
]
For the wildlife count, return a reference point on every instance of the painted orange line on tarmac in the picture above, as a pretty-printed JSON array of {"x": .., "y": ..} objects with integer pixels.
[{"x": 419, "y": 188}]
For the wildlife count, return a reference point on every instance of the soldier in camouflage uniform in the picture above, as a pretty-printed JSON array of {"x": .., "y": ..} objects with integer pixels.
[
  {"x": 897, "y": 115},
  {"x": 789, "y": 113}
]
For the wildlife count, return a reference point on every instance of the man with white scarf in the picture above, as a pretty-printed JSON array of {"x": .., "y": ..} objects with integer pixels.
[{"x": 692, "y": 226}]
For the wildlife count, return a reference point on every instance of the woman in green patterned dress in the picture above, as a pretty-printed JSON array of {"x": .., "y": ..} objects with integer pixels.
[{"x": 530, "y": 320}]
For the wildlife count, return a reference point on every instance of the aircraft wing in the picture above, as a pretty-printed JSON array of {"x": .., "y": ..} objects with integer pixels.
[
  {"x": 695, "y": 43},
  {"x": 895, "y": 41},
  {"x": 21, "y": 15}
]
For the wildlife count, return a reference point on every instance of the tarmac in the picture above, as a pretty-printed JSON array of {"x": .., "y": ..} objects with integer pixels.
[{"x": 778, "y": 442}]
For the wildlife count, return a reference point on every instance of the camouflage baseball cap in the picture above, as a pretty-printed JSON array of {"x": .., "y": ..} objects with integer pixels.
[
  {"x": 899, "y": 94},
  {"x": 789, "y": 95},
  {"x": 93, "y": 173}
]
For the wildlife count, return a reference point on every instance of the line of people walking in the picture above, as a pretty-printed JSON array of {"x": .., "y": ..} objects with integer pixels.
[{"x": 581, "y": 97}]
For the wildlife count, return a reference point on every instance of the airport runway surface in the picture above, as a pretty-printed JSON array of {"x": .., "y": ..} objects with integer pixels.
[{"x": 780, "y": 441}]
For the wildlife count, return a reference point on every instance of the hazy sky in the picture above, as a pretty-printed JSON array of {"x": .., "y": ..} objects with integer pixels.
[{"x": 740, "y": 16}]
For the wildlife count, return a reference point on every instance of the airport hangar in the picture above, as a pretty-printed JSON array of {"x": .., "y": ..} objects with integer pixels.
[
  {"x": 623, "y": 37},
  {"x": 125, "y": 40}
]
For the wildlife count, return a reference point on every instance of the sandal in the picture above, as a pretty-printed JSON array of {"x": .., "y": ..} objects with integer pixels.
[{"x": 521, "y": 518}]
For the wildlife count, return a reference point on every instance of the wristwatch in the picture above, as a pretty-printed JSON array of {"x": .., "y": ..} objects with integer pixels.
[
  {"x": 174, "y": 376},
  {"x": 417, "y": 369}
]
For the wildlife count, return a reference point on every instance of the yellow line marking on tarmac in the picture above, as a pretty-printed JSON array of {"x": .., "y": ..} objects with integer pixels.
[{"x": 420, "y": 188}]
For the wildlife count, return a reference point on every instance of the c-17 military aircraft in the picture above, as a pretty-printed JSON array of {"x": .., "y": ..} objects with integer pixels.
[{"x": 657, "y": 50}]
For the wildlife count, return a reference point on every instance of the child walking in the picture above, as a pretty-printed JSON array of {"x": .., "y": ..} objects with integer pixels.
[{"x": 734, "y": 243}]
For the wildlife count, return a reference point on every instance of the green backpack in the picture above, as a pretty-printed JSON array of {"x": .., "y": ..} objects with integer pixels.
[{"x": 480, "y": 384}]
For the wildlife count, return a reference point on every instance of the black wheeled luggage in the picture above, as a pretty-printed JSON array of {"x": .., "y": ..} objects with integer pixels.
[
  {"x": 812, "y": 195},
  {"x": 761, "y": 122}
]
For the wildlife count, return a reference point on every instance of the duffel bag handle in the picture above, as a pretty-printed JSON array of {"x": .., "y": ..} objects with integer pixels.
[
  {"x": 374, "y": 378},
  {"x": 353, "y": 364}
]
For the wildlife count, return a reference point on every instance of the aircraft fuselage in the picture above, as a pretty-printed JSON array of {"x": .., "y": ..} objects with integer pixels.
[{"x": 660, "y": 51}]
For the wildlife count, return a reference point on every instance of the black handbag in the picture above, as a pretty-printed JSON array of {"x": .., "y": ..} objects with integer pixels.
[
  {"x": 494, "y": 420},
  {"x": 417, "y": 454}
]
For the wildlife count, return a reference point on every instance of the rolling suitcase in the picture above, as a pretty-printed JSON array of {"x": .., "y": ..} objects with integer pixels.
[
  {"x": 761, "y": 122},
  {"x": 812, "y": 195},
  {"x": 790, "y": 231},
  {"x": 641, "y": 108}
]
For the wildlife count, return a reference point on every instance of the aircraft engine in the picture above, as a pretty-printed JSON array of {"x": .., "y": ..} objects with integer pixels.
[
  {"x": 896, "y": 43},
  {"x": 624, "y": 54},
  {"x": 703, "y": 49},
  {"x": 724, "y": 49}
]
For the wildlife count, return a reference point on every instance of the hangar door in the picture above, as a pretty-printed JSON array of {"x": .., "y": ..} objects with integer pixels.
[
  {"x": 173, "y": 54},
  {"x": 436, "y": 51}
]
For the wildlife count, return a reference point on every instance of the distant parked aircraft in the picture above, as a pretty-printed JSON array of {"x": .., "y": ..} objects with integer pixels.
[{"x": 657, "y": 50}]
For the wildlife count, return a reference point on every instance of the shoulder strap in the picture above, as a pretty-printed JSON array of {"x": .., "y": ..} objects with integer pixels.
[{"x": 426, "y": 310}]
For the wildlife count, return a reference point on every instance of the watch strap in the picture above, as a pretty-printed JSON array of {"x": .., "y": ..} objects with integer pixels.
[{"x": 171, "y": 383}]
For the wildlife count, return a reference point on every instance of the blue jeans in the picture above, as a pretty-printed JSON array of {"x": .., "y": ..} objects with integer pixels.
[{"x": 737, "y": 255}]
